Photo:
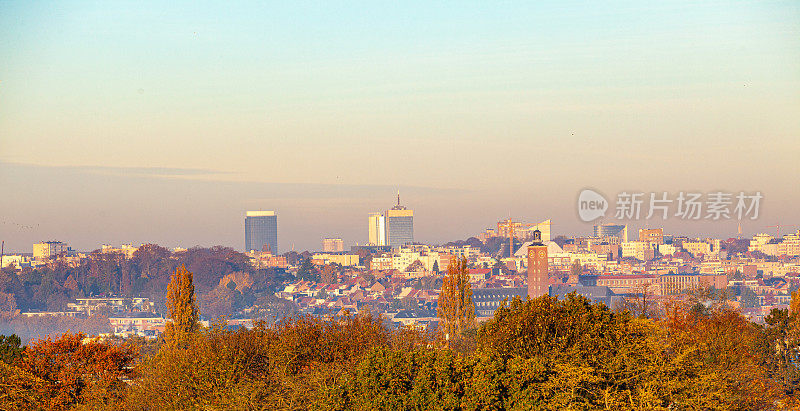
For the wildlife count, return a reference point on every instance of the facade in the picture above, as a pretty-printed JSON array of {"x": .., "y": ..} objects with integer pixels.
[
  {"x": 696, "y": 248},
  {"x": 612, "y": 230},
  {"x": 538, "y": 278},
  {"x": 345, "y": 260},
  {"x": 127, "y": 249},
  {"x": 399, "y": 225},
  {"x": 377, "y": 229},
  {"x": 332, "y": 245},
  {"x": 640, "y": 250},
  {"x": 631, "y": 284},
  {"x": 383, "y": 262},
  {"x": 48, "y": 249},
  {"x": 672, "y": 284},
  {"x": 652, "y": 235},
  {"x": 487, "y": 300},
  {"x": 260, "y": 230}
]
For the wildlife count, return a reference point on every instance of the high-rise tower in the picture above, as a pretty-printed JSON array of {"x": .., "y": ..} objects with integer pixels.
[
  {"x": 260, "y": 229},
  {"x": 399, "y": 225},
  {"x": 377, "y": 229}
]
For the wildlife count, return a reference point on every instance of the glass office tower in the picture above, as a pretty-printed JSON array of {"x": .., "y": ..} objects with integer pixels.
[
  {"x": 260, "y": 229},
  {"x": 399, "y": 225}
]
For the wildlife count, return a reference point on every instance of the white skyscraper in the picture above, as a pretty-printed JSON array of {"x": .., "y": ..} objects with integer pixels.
[{"x": 377, "y": 229}]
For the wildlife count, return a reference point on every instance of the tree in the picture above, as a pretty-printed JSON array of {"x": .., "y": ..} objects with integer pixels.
[
  {"x": 435, "y": 267},
  {"x": 10, "y": 348},
  {"x": 329, "y": 274},
  {"x": 307, "y": 271},
  {"x": 182, "y": 308},
  {"x": 641, "y": 303},
  {"x": 794, "y": 306},
  {"x": 455, "y": 300},
  {"x": 575, "y": 271},
  {"x": 75, "y": 371},
  {"x": 415, "y": 267}
]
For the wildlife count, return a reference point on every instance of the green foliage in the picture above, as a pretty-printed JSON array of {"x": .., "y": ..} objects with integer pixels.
[
  {"x": 307, "y": 271},
  {"x": 387, "y": 379},
  {"x": 11, "y": 348}
]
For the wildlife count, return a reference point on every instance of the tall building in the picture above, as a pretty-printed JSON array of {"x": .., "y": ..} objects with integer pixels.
[
  {"x": 261, "y": 229},
  {"x": 538, "y": 278},
  {"x": 399, "y": 225},
  {"x": 377, "y": 229},
  {"x": 332, "y": 245},
  {"x": 612, "y": 230},
  {"x": 47, "y": 249}
]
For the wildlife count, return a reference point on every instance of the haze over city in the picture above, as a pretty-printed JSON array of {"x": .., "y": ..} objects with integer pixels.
[{"x": 164, "y": 124}]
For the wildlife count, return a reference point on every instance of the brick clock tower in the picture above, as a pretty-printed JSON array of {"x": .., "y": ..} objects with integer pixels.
[{"x": 538, "y": 279}]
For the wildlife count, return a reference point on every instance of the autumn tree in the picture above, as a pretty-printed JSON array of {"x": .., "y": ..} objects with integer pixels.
[
  {"x": 794, "y": 306},
  {"x": 641, "y": 302},
  {"x": 328, "y": 275},
  {"x": 455, "y": 306},
  {"x": 182, "y": 308},
  {"x": 73, "y": 371}
]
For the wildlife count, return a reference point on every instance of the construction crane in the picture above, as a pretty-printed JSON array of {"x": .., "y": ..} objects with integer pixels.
[
  {"x": 510, "y": 226},
  {"x": 778, "y": 227}
]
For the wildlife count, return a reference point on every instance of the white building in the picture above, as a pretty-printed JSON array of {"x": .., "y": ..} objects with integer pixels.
[
  {"x": 377, "y": 229},
  {"x": 48, "y": 249},
  {"x": 332, "y": 245},
  {"x": 640, "y": 250}
]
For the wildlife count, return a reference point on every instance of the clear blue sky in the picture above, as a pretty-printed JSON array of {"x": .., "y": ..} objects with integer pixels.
[{"x": 144, "y": 121}]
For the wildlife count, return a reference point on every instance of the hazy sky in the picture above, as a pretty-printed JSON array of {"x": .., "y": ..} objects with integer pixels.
[{"x": 150, "y": 122}]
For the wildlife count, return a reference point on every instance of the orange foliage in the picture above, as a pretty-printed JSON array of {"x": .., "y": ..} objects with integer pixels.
[{"x": 74, "y": 372}]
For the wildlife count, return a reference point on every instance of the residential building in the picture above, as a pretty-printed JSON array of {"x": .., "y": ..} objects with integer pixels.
[
  {"x": 697, "y": 247},
  {"x": 127, "y": 249},
  {"x": 345, "y": 260},
  {"x": 652, "y": 235},
  {"x": 332, "y": 245},
  {"x": 487, "y": 300},
  {"x": 47, "y": 249},
  {"x": 641, "y": 250}
]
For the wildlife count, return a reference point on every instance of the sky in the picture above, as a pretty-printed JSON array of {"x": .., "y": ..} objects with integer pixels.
[{"x": 136, "y": 122}]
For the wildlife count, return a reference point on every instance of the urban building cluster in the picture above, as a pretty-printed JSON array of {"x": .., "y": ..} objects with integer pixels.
[{"x": 395, "y": 276}]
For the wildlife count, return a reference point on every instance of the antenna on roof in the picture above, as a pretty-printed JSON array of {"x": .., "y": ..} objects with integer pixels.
[{"x": 398, "y": 196}]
